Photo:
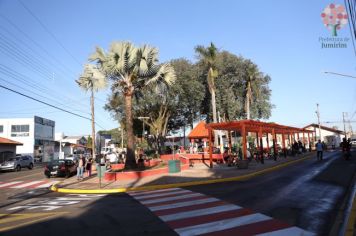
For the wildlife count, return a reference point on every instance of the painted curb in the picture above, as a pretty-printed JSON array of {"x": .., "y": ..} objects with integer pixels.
[
  {"x": 176, "y": 185},
  {"x": 352, "y": 220}
]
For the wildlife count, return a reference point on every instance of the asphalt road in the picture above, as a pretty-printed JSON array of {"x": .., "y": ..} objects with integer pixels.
[{"x": 307, "y": 195}]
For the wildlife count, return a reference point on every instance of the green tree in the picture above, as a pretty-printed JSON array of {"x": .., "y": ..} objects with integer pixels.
[
  {"x": 168, "y": 110},
  {"x": 92, "y": 80},
  {"x": 232, "y": 87},
  {"x": 131, "y": 69}
]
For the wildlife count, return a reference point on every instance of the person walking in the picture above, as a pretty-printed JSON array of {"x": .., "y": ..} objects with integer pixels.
[
  {"x": 319, "y": 150},
  {"x": 88, "y": 166},
  {"x": 80, "y": 167}
]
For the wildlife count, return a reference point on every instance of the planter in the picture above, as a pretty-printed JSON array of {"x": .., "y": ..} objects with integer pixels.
[
  {"x": 134, "y": 175},
  {"x": 117, "y": 166},
  {"x": 173, "y": 166}
]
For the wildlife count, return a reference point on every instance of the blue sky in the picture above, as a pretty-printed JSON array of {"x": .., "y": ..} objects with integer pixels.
[{"x": 282, "y": 37}]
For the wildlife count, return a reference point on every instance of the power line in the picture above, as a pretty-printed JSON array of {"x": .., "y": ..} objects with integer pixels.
[
  {"x": 35, "y": 86},
  {"x": 49, "y": 55},
  {"x": 45, "y": 103},
  {"x": 352, "y": 22},
  {"x": 37, "y": 100},
  {"x": 329, "y": 72},
  {"x": 48, "y": 31}
]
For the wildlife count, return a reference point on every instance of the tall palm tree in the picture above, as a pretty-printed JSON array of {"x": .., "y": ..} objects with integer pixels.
[
  {"x": 131, "y": 69},
  {"x": 92, "y": 80},
  {"x": 252, "y": 75},
  {"x": 208, "y": 56}
]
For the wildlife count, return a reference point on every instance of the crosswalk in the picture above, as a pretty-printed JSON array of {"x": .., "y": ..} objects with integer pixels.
[
  {"x": 191, "y": 213},
  {"x": 27, "y": 184}
]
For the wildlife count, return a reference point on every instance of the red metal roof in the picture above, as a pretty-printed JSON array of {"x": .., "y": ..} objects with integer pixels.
[
  {"x": 9, "y": 141},
  {"x": 199, "y": 131},
  {"x": 254, "y": 126}
]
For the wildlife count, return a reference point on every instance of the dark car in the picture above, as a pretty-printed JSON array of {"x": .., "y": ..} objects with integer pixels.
[{"x": 60, "y": 168}]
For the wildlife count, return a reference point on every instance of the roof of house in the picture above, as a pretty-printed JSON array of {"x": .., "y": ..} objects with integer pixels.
[
  {"x": 324, "y": 128},
  {"x": 9, "y": 141},
  {"x": 73, "y": 137},
  {"x": 199, "y": 131}
]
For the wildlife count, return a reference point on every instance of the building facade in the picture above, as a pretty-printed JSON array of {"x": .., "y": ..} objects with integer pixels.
[
  {"x": 36, "y": 134},
  {"x": 329, "y": 135}
]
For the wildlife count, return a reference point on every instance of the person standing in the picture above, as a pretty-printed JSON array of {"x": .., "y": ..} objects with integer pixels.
[
  {"x": 319, "y": 150},
  {"x": 88, "y": 166},
  {"x": 80, "y": 167}
]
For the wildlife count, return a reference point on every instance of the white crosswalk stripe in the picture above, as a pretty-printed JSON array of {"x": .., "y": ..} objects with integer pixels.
[
  {"x": 9, "y": 184},
  {"x": 162, "y": 194},
  {"x": 200, "y": 212},
  {"x": 26, "y": 184},
  {"x": 171, "y": 198},
  {"x": 46, "y": 185},
  {"x": 222, "y": 224}
]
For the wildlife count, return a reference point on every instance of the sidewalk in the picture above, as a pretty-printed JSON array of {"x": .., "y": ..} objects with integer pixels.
[{"x": 199, "y": 174}]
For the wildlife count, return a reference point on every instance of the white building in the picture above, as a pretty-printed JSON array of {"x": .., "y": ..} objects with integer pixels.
[
  {"x": 328, "y": 135},
  {"x": 70, "y": 145},
  {"x": 36, "y": 134}
]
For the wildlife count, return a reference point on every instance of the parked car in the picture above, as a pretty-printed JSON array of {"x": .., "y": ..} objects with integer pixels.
[
  {"x": 72, "y": 157},
  {"x": 353, "y": 141},
  {"x": 60, "y": 168},
  {"x": 17, "y": 162}
]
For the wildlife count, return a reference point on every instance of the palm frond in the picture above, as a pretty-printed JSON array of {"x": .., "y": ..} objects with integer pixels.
[
  {"x": 165, "y": 74},
  {"x": 99, "y": 56},
  {"x": 92, "y": 78}
]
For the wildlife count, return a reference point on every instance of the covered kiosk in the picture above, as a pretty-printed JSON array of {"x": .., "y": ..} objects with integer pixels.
[
  {"x": 245, "y": 126},
  {"x": 200, "y": 133}
]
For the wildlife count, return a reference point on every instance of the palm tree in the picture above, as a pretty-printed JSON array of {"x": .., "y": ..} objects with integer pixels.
[
  {"x": 92, "y": 80},
  {"x": 252, "y": 75},
  {"x": 131, "y": 69},
  {"x": 208, "y": 56}
]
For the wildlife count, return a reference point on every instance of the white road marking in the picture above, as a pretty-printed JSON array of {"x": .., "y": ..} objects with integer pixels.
[
  {"x": 152, "y": 191},
  {"x": 9, "y": 184},
  {"x": 183, "y": 204},
  {"x": 46, "y": 185},
  {"x": 26, "y": 184},
  {"x": 221, "y": 224},
  {"x": 200, "y": 212},
  {"x": 288, "y": 231},
  {"x": 171, "y": 198},
  {"x": 162, "y": 194}
]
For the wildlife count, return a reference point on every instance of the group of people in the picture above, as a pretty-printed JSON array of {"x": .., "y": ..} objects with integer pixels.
[
  {"x": 84, "y": 165},
  {"x": 345, "y": 147}
]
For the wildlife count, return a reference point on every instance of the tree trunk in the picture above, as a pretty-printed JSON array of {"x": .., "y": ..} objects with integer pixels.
[
  {"x": 213, "y": 105},
  {"x": 92, "y": 124},
  {"x": 248, "y": 98},
  {"x": 130, "y": 159}
]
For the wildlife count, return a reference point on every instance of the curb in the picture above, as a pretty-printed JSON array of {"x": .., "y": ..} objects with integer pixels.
[
  {"x": 176, "y": 185},
  {"x": 350, "y": 230}
]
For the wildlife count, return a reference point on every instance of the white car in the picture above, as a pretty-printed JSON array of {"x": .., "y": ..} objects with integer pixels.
[{"x": 353, "y": 141}]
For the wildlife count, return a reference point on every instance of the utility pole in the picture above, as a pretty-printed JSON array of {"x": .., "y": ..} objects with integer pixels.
[
  {"x": 143, "y": 125},
  {"x": 343, "y": 120},
  {"x": 92, "y": 124},
  {"x": 318, "y": 114}
]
